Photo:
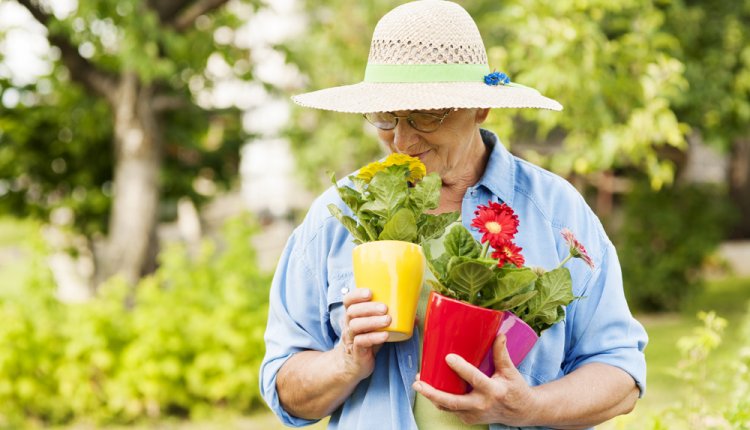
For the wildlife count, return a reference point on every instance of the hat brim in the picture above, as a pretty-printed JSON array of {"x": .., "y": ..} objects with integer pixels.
[{"x": 367, "y": 97}]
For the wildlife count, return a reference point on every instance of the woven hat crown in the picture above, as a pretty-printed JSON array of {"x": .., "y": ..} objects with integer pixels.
[
  {"x": 427, "y": 54},
  {"x": 427, "y": 32}
]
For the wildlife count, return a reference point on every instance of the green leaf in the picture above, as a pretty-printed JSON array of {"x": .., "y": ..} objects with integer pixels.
[
  {"x": 460, "y": 243},
  {"x": 547, "y": 320},
  {"x": 402, "y": 226},
  {"x": 433, "y": 226},
  {"x": 514, "y": 280},
  {"x": 511, "y": 282},
  {"x": 440, "y": 288},
  {"x": 468, "y": 278},
  {"x": 359, "y": 183},
  {"x": 514, "y": 302},
  {"x": 348, "y": 222},
  {"x": 440, "y": 267},
  {"x": 370, "y": 230},
  {"x": 436, "y": 271},
  {"x": 388, "y": 191},
  {"x": 555, "y": 291},
  {"x": 376, "y": 209},
  {"x": 426, "y": 194},
  {"x": 352, "y": 198}
]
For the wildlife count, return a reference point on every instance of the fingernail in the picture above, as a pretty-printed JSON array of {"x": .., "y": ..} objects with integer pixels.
[
  {"x": 450, "y": 359},
  {"x": 417, "y": 386},
  {"x": 382, "y": 308}
]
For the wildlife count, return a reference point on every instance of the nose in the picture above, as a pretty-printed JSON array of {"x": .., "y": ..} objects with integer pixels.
[{"x": 404, "y": 136}]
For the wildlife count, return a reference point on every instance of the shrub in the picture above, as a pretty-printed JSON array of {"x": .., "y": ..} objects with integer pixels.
[
  {"x": 692, "y": 371},
  {"x": 186, "y": 340},
  {"x": 665, "y": 238}
]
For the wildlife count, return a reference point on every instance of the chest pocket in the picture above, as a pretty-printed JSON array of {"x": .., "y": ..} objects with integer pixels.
[{"x": 339, "y": 284}]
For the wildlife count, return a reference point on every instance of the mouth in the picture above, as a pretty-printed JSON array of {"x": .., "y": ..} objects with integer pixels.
[{"x": 421, "y": 155}]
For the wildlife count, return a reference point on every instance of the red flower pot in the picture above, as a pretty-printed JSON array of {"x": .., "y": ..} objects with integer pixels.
[{"x": 453, "y": 326}]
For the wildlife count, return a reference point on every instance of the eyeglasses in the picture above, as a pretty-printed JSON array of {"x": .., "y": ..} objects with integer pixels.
[{"x": 420, "y": 121}]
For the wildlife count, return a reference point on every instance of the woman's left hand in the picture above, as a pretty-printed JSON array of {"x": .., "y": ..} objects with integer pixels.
[{"x": 503, "y": 398}]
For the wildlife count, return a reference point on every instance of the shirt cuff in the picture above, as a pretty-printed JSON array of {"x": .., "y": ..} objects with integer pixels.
[{"x": 268, "y": 373}]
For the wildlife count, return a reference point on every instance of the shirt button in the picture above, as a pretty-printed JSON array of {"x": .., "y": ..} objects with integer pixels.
[{"x": 344, "y": 290}]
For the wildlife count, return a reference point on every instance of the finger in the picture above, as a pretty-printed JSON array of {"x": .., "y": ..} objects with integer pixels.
[
  {"x": 367, "y": 324},
  {"x": 357, "y": 295},
  {"x": 478, "y": 380},
  {"x": 366, "y": 309},
  {"x": 370, "y": 340},
  {"x": 442, "y": 400},
  {"x": 500, "y": 354}
]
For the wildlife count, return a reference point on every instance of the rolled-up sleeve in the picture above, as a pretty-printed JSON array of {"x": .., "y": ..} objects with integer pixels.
[
  {"x": 296, "y": 321},
  {"x": 602, "y": 329}
]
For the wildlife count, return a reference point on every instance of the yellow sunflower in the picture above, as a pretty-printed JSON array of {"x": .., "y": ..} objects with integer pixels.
[{"x": 417, "y": 169}]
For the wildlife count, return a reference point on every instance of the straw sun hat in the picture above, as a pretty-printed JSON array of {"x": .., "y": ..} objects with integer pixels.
[{"x": 427, "y": 54}]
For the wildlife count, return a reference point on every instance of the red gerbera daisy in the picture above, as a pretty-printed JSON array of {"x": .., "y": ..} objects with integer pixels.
[
  {"x": 508, "y": 252},
  {"x": 497, "y": 222}
]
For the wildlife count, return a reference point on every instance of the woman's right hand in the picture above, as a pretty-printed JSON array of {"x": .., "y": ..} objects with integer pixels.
[{"x": 359, "y": 339}]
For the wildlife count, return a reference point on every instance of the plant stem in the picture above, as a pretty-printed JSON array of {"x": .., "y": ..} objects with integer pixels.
[
  {"x": 564, "y": 261},
  {"x": 485, "y": 249}
]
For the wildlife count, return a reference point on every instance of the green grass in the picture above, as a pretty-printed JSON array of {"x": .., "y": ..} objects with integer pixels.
[{"x": 262, "y": 420}]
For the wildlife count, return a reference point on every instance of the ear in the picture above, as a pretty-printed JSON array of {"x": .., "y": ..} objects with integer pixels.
[{"x": 481, "y": 115}]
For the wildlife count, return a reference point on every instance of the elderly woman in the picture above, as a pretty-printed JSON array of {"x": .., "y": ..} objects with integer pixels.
[{"x": 427, "y": 89}]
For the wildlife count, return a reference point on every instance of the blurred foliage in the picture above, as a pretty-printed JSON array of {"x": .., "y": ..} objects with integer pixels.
[
  {"x": 190, "y": 339},
  {"x": 714, "y": 45},
  {"x": 56, "y": 143},
  {"x": 632, "y": 80},
  {"x": 331, "y": 53},
  {"x": 666, "y": 238},
  {"x": 46, "y": 154},
  {"x": 607, "y": 62},
  {"x": 696, "y": 352}
]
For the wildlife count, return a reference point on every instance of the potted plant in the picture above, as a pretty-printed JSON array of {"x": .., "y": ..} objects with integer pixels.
[
  {"x": 482, "y": 288},
  {"x": 389, "y": 222}
]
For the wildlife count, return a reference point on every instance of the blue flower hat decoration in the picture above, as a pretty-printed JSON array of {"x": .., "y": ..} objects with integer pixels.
[{"x": 496, "y": 78}]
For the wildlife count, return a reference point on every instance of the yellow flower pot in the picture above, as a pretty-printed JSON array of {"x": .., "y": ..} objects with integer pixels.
[{"x": 394, "y": 271}]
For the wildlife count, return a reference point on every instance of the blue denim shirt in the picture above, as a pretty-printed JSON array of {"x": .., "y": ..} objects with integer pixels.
[{"x": 315, "y": 272}]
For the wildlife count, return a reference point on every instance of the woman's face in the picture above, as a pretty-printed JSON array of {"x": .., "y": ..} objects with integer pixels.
[{"x": 446, "y": 151}]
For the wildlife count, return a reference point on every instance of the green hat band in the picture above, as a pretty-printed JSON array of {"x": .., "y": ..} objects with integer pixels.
[{"x": 412, "y": 73}]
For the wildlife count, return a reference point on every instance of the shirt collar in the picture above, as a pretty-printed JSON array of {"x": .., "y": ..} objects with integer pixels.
[{"x": 499, "y": 175}]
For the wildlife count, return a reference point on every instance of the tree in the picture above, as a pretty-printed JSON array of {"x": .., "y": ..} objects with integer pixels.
[
  {"x": 118, "y": 120},
  {"x": 716, "y": 53}
]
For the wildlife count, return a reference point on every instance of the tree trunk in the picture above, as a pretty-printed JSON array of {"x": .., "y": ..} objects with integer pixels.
[
  {"x": 739, "y": 186},
  {"x": 135, "y": 193}
]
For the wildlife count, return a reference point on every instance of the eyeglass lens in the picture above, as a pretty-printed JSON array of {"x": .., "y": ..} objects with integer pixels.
[{"x": 419, "y": 120}]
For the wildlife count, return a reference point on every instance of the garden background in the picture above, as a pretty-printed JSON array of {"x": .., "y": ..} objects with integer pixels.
[{"x": 152, "y": 166}]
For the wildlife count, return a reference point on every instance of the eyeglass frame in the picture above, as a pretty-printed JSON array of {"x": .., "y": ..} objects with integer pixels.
[{"x": 411, "y": 121}]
